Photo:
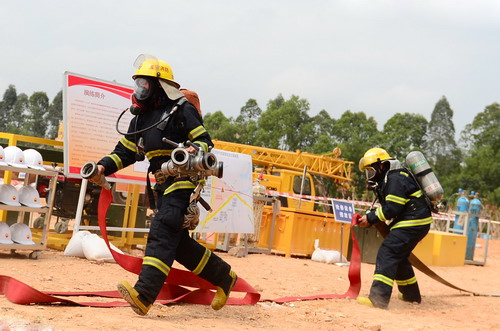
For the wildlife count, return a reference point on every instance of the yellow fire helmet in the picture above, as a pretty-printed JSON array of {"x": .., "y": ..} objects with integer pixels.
[
  {"x": 372, "y": 156},
  {"x": 148, "y": 65}
]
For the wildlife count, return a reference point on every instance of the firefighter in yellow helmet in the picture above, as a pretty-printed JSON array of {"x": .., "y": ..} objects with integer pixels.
[
  {"x": 156, "y": 95},
  {"x": 402, "y": 203}
]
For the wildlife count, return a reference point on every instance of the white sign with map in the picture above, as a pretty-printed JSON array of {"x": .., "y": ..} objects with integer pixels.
[{"x": 230, "y": 197}]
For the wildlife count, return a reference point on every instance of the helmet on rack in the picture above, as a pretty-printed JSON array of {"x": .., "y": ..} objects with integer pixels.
[
  {"x": 28, "y": 196},
  {"x": 2, "y": 157},
  {"x": 371, "y": 157},
  {"x": 14, "y": 156},
  {"x": 5, "y": 235},
  {"x": 149, "y": 66},
  {"x": 33, "y": 159},
  {"x": 9, "y": 195},
  {"x": 21, "y": 234}
]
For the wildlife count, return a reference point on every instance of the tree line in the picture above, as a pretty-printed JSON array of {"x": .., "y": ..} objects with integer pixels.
[{"x": 471, "y": 163}]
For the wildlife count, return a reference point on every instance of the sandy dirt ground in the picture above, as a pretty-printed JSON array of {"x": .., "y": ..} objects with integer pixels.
[{"x": 274, "y": 277}]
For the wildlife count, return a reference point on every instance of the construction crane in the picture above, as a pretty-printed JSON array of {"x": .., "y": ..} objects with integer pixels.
[{"x": 329, "y": 165}]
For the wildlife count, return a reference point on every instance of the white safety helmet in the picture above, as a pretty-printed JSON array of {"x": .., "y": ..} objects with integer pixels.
[
  {"x": 5, "y": 236},
  {"x": 33, "y": 159},
  {"x": 2, "y": 157},
  {"x": 21, "y": 234},
  {"x": 9, "y": 195},
  {"x": 28, "y": 196},
  {"x": 14, "y": 156}
]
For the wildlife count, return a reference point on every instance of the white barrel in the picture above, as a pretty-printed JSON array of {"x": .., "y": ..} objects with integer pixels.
[{"x": 420, "y": 167}]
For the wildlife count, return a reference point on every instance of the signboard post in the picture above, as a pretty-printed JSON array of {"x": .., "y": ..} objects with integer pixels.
[{"x": 343, "y": 211}]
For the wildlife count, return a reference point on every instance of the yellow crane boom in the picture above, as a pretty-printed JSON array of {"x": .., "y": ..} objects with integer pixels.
[{"x": 324, "y": 165}]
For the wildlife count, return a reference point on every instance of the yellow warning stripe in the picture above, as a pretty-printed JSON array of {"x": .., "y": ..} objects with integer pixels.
[
  {"x": 405, "y": 224},
  {"x": 158, "y": 152},
  {"x": 158, "y": 264},
  {"x": 396, "y": 199},
  {"x": 384, "y": 279},
  {"x": 196, "y": 132},
  {"x": 202, "y": 144},
  {"x": 409, "y": 281},
  {"x": 380, "y": 214},
  {"x": 116, "y": 159},
  {"x": 203, "y": 262},
  {"x": 184, "y": 184},
  {"x": 417, "y": 194},
  {"x": 128, "y": 144}
]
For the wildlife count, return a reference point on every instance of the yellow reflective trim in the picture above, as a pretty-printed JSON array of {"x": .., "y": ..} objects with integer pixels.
[
  {"x": 203, "y": 262},
  {"x": 396, "y": 199},
  {"x": 128, "y": 144},
  {"x": 158, "y": 264},
  {"x": 417, "y": 194},
  {"x": 116, "y": 159},
  {"x": 403, "y": 173},
  {"x": 380, "y": 214},
  {"x": 384, "y": 279},
  {"x": 405, "y": 282},
  {"x": 158, "y": 152},
  {"x": 202, "y": 144},
  {"x": 184, "y": 184},
  {"x": 196, "y": 132},
  {"x": 405, "y": 224}
]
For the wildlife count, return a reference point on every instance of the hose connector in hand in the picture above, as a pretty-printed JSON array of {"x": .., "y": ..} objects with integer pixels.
[{"x": 90, "y": 171}]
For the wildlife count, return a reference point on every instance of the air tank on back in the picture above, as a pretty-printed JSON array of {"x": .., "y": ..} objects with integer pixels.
[{"x": 420, "y": 167}]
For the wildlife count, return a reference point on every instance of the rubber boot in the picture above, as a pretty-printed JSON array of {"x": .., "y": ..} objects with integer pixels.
[
  {"x": 130, "y": 295},
  {"x": 223, "y": 290}
]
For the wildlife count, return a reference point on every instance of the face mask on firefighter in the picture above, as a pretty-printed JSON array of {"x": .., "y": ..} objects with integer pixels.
[
  {"x": 370, "y": 172},
  {"x": 143, "y": 88}
]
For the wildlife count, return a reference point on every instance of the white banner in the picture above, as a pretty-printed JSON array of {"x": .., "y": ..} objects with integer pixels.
[{"x": 230, "y": 197}]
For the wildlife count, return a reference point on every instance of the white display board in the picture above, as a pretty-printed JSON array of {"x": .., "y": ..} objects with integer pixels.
[{"x": 230, "y": 197}]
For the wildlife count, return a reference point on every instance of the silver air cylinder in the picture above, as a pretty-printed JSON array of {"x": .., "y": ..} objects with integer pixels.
[{"x": 419, "y": 166}]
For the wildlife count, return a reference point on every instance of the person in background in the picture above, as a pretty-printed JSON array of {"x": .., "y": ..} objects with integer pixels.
[{"x": 403, "y": 204}]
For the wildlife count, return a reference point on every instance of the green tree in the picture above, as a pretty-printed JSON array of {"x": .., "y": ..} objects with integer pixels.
[
  {"x": 6, "y": 106},
  {"x": 322, "y": 137},
  {"x": 404, "y": 133},
  {"x": 16, "y": 120},
  {"x": 354, "y": 133},
  {"x": 37, "y": 119},
  {"x": 285, "y": 125},
  {"x": 54, "y": 116},
  {"x": 441, "y": 148},
  {"x": 246, "y": 122},
  {"x": 481, "y": 171},
  {"x": 220, "y": 127}
]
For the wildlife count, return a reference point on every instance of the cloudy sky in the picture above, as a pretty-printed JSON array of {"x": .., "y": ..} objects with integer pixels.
[{"x": 379, "y": 57}]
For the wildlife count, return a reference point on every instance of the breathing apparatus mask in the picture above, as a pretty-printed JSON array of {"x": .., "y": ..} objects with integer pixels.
[
  {"x": 374, "y": 174},
  {"x": 144, "y": 92}
]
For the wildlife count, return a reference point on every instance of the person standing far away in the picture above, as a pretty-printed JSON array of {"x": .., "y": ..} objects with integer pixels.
[{"x": 403, "y": 204}]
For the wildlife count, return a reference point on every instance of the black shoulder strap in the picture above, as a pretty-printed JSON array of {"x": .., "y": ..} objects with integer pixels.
[
  {"x": 428, "y": 201},
  {"x": 164, "y": 120}
]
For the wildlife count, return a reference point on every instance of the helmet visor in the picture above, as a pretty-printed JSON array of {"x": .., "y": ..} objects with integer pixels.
[
  {"x": 143, "y": 88},
  {"x": 370, "y": 172}
]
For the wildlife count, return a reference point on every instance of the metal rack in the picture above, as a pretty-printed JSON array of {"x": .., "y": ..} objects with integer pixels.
[{"x": 47, "y": 210}]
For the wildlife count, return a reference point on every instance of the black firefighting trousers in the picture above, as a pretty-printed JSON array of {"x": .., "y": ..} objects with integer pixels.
[
  {"x": 393, "y": 265},
  {"x": 169, "y": 241}
]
